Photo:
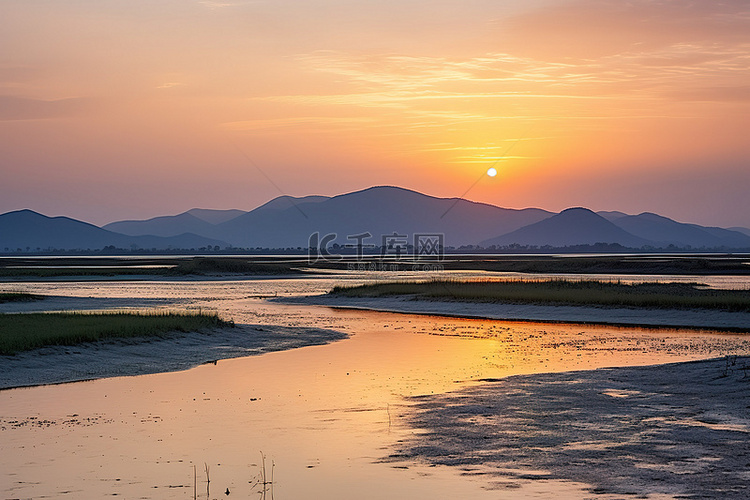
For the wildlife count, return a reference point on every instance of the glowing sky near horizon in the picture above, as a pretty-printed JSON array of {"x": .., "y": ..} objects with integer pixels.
[{"x": 120, "y": 110}]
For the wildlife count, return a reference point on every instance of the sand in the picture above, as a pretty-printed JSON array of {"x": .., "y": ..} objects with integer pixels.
[
  {"x": 678, "y": 430},
  {"x": 663, "y": 431},
  {"x": 667, "y": 431},
  {"x": 175, "y": 352},
  {"x": 129, "y": 357},
  {"x": 693, "y": 318}
]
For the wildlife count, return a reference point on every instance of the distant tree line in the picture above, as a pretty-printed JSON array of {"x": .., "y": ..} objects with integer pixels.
[{"x": 373, "y": 251}]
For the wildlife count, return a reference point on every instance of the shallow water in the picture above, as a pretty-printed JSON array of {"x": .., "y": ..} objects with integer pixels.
[
  {"x": 678, "y": 430},
  {"x": 326, "y": 416}
]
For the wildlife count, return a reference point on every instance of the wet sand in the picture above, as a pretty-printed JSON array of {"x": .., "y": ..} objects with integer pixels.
[
  {"x": 325, "y": 415},
  {"x": 691, "y": 318},
  {"x": 351, "y": 418},
  {"x": 677, "y": 430},
  {"x": 168, "y": 353},
  {"x": 328, "y": 416}
]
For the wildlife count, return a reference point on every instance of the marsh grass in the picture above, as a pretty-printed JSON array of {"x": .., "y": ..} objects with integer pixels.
[
  {"x": 18, "y": 297},
  {"x": 651, "y": 295},
  {"x": 22, "y": 332}
]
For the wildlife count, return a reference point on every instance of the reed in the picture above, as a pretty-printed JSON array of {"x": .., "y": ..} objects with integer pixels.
[
  {"x": 263, "y": 481},
  {"x": 22, "y": 332},
  {"x": 651, "y": 295}
]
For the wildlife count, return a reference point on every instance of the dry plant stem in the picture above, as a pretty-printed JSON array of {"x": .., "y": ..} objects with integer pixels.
[
  {"x": 264, "y": 481},
  {"x": 208, "y": 481}
]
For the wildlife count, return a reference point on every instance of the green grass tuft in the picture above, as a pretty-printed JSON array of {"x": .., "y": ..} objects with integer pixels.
[
  {"x": 22, "y": 332},
  {"x": 650, "y": 295}
]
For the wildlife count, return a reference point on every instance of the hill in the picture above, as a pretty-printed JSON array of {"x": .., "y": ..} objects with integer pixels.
[
  {"x": 26, "y": 229},
  {"x": 379, "y": 211},
  {"x": 574, "y": 226},
  {"x": 664, "y": 231}
]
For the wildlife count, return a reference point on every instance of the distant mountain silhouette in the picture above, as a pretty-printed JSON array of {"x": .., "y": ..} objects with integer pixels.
[
  {"x": 284, "y": 202},
  {"x": 200, "y": 221},
  {"x": 612, "y": 215},
  {"x": 168, "y": 225},
  {"x": 379, "y": 211},
  {"x": 663, "y": 231},
  {"x": 28, "y": 229},
  {"x": 214, "y": 216},
  {"x": 574, "y": 226},
  {"x": 728, "y": 238},
  {"x": 742, "y": 230}
]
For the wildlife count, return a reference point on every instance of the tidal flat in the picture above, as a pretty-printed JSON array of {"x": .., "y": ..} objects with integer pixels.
[
  {"x": 349, "y": 418},
  {"x": 31, "y": 331}
]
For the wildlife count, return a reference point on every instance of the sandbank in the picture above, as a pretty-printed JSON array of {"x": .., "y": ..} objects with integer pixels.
[
  {"x": 666, "y": 318},
  {"x": 175, "y": 352},
  {"x": 668, "y": 431}
]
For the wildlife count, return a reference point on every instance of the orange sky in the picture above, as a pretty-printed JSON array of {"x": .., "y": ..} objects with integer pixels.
[{"x": 112, "y": 110}]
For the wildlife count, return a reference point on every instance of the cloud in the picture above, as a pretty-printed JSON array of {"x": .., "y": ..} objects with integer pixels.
[
  {"x": 169, "y": 85},
  {"x": 17, "y": 76},
  {"x": 474, "y": 100},
  {"x": 391, "y": 79},
  {"x": 222, "y": 4},
  {"x": 426, "y": 85},
  {"x": 589, "y": 29},
  {"x": 739, "y": 94},
  {"x": 19, "y": 108},
  {"x": 320, "y": 121}
]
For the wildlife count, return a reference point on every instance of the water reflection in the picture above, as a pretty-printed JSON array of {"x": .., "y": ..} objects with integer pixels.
[{"x": 324, "y": 416}]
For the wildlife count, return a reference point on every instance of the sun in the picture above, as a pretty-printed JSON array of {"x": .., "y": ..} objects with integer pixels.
[{"x": 492, "y": 171}]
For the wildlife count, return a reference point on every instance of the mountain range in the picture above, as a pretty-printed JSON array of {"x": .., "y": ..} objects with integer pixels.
[
  {"x": 380, "y": 211},
  {"x": 26, "y": 230}
]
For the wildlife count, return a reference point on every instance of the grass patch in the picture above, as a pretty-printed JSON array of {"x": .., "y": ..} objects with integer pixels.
[
  {"x": 649, "y": 295},
  {"x": 23, "y": 332},
  {"x": 18, "y": 297}
]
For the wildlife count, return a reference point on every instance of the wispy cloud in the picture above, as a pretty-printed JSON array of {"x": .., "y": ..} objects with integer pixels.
[
  {"x": 324, "y": 121},
  {"x": 589, "y": 29},
  {"x": 738, "y": 94},
  {"x": 489, "y": 159},
  {"x": 169, "y": 85},
  {"x": 431, "y": 95},
  {"x": 17, "y": 77},
  {"x": 406, "y": 83},
  {"x": 14, "y": 108},
  {"x": 220, "y": 4}
]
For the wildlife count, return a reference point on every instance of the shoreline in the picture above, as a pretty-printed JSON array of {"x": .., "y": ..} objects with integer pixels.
[
  {"x": 692, "y": 319},
  {"x": 181, "y": 351},
  {"x": 523, "y": 410},
  {"x": 150, "y": 355},
  {"x": 675, "y": 429},
  {"x": 93, "y": 278}
]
